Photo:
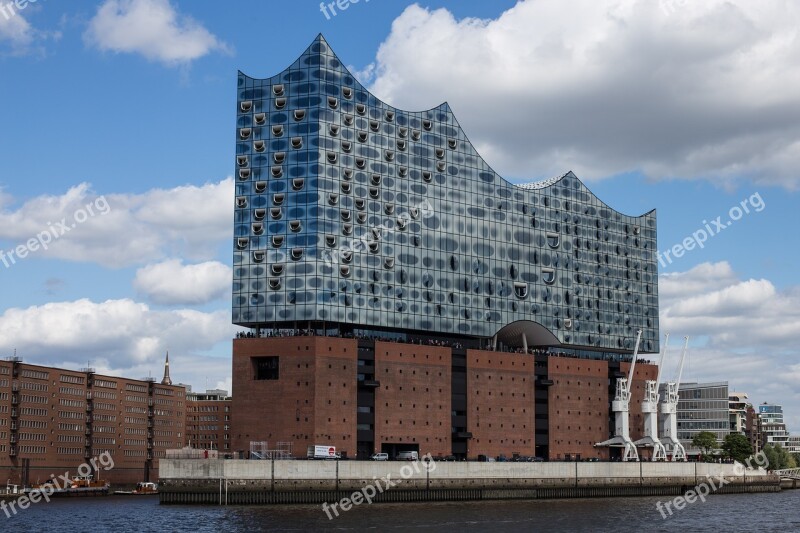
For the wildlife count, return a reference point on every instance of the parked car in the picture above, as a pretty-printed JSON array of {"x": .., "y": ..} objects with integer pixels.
[
  {"x": 408, "y": 456},
  {"x": 380, "y": 457}
]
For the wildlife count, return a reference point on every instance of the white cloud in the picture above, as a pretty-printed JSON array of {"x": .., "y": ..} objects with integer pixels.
[
  {"x": 173, "y": 283},
  {"x": 112, "y": 334},
  {"x": 744, "y": 331},
  {"x": 152, "y": 28},
  {"x": 15, "y": 29},
  {"x": 707, "y": 89},
  {"x": 189, "y": 220}
]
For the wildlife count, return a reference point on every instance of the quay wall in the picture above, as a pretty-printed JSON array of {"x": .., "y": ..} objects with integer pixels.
[{"x": 262, "y": 482}]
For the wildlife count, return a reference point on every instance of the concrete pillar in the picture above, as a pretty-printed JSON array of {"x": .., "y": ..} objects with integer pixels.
[{"x": 525, "y": 342}]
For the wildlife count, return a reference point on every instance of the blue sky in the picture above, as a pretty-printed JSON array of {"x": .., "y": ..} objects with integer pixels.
[{"x": 688, "y": 109}]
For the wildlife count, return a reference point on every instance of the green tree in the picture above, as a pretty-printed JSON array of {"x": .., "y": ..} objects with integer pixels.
[
  {"x": 706, "y": 441},
  {"x": 737, "y": 447},
  {"x": 779, "y": 459}
]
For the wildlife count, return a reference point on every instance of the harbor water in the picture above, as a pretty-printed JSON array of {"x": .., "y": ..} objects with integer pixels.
[{"x": 776, "y": 512}]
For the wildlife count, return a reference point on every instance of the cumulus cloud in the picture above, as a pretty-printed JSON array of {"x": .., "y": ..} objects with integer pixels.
[
  {"x": 152, "y": 28},
  {"x": 15, "y": 29},
  {"x": 743, "y": 331},
  {"x": 173, "y": 283},
  {"x": 117, "y": 230},
  {"x": 112, "y": 334},
  {"x": 673, "y": 89}
]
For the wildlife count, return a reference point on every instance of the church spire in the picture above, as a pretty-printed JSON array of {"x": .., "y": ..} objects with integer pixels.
[{"x": 166, "y": 380}]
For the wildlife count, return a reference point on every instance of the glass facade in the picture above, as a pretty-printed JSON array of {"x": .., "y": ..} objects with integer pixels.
[{"x": 351, "y": 212}]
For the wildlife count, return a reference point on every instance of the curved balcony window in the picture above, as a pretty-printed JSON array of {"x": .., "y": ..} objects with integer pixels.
[
  {"x": 274, "y": 284},
  {"x": 347, "y": 173},
  {"x": 258, "y": 256},
  {"x": 388, "y": 209},
  {"x": 242, "y": 242},
  {"x": 373, "y": 247},
  {"x": 277, "y": 241},
  {"x": 375, "y": 179},
  {"x": 244, "y": 173},
  {"x": 402, "y": 132},
  {"x": 389, "y": 116},
  {"x": 374, "y": 125},
  {"x": 361, "y": 217},
  {"x": 279, "y": 157},
  {"x": 452, "y": 143},
  {"x": 334, "y": 130},
  {"x": 280, "y": 103},
  {"x": 277, "y": 130},
  {"x": 246, "y": 106},
  {"x": 361, "y": 162},
  {"x": 388, "y": 263},
  {"x": 520, "y": 289},
  {"x": 401, "y": 224},
  {"x": 241, "y": 202},
  {"x": 276, "y": 213},
  {"x": 548, "y": 275},
  {"x": 553, "y": 240},
  {"x": 361, "y": 109},
  {"x": 414, "y": 212},
  {"x": 297, "y": 253},
  {"x": 297, "y": 142},
  {"x": 345, "y": 214},
  {"x": 330, "y": 240},
  {"x": 277, "y": 171},
  {"x": 347, "y": 229},
  {"x": 374, "y": 192},
  {"x": 441, "y": 166},
  {"x": 401, "y": 144},
  {"x": 258, "y": 228},
  {"x": 295, "y": 225},
  {"x": 299, "y": 114},
  {"x": 297, "y": 183},
  {"x": 427, "y": 125},
  {"x": 426, "y": 175},
  {"x": 389, "y": 155},
  {"x": 333, "y": 198},
  {"x": 259, "y": 146},
  {"x": 402, "y": 172},
  {"x": 360, "y": 203},
  {"x": 344, "y": 270},
  {"x": 278, "y": 198},
  {"x": 242, "y": 160},
  {"x": 333, "y": 102},
  {"x": 261, "y": 186},
  {"x": 346, "y": 188},
  {"x": 347, "y": 92},
  {"x": 348, "y": 120},
  {"x": 415, "y": 135},
  {"x": 347, "y": 146},
  {"x": 277, "y": 89},
  {"x": 260, "y": 118},
  {"x": 260, "y": 213},
  {"x": 440, "y": 153},
  {"x": 347, "y": 257},
  {"x": 277, "y": 269},
  {"x": 244, "y": 133},
  {"x": 332, "y": 157},
  {"x": 362, "y": 136}
]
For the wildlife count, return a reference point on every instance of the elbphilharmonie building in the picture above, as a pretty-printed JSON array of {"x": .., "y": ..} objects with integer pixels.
[{"x": 421, "y": 290}]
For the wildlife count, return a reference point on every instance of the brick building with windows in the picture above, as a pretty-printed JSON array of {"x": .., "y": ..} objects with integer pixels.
[
  {"x": 54, "y": 420},
  {"x": 208, "y": 420}
]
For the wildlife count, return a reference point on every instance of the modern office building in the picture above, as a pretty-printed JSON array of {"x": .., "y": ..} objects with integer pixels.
[
  {"x": 408, "y": 273},
  {"x": 737, "y": 407},
  {"x": 208, "y": 420},
  {"x": 53, "y": 420},
  {"x": 773, "y": 428},
  {"x": 793, "y": 444},
  {"x": 702, "y": 407}
]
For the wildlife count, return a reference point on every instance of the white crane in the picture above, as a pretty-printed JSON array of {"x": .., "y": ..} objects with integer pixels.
[
  {"x": 669, "y": 411},
  {"x": 621, "y": 406},
  {"x": 650, "y": 412}
]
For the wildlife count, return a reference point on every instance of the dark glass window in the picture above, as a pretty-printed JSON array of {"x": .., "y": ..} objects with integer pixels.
[{"x": 266, "y": 368}]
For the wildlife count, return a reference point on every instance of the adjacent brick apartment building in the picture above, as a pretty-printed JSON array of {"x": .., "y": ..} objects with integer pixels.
[
  {"x": 53, "y": 420},
  {"x": 208, "y": 420}
]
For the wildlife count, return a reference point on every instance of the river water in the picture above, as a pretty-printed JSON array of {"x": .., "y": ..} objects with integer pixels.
[{"x": 724, "y": 514}]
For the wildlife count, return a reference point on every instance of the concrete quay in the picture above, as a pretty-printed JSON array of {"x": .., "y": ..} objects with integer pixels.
[{"x": 221, "y": 481}]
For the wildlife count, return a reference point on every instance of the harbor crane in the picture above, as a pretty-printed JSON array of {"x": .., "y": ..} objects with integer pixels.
[
  {"x": 669, "y": 412},
  {"x": 650, "y": 412}
]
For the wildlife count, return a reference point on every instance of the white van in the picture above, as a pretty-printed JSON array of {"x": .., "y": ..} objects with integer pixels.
[
  {"x": 380, "y": 457},
  {"x": 407, "y": 456}
]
